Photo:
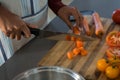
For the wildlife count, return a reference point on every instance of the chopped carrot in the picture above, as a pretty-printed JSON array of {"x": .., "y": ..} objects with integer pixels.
[
  {"x": 78, "y": 39},
  {"x": 76, "y": 51},
  {"x": 73, "y": 38},
  {"x": 84, "y": 52},
  {"x": 70, "y": 55},
  {"x": 81, "y": 48},
  {"x": 98, "y": 25},
  {"x": 68, "y": 37},
  {"x": 76, "y": 30},
  {"x": 79, "y": 43}
]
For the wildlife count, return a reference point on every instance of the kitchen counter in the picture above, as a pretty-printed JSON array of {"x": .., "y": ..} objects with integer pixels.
[
  {"x": 29, "y": 55},
  {"x": 84, "y": 65}
]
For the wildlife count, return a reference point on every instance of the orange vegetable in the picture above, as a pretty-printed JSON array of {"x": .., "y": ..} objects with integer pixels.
[
  {"x": 68, "y": 37},
  {"x": 78, "y": 39},
  {"x": 76, "y": 30},
  {"x": 98, "y": 25},
  {"x": 70, "y": 55},
  {"x": 112, "y": 72},
  {"x": 76, "y": 51},
  {"x": 81, "y": 48},
  {"x": 84, "y": 52},
  {"x": 73, "y": 38},
  {"x": 114, "y": 61},
  {"x": 102, "y": 64},
  {"x": 86, "y": 26},
  {"x": 79, "y": 43}
]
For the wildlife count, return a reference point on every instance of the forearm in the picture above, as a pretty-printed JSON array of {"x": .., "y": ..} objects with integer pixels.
[{"x": 55, "y": 5}]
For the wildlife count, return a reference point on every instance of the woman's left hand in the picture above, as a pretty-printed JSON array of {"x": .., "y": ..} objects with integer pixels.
[{"x": 65, "y": 12}]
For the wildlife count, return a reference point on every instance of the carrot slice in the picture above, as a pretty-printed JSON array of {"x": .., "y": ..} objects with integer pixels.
[
  {"x": 76, "y": 51},
  {"x": 68, "y": 37},
  {"x": 73, "y": 38},
  {"x": 98, "y": 25},
  {"x": 79, "y": 43},
  {"x": 84, "y": 52},
  {"x": 76, "y": 30},
  {"x": 70, "y": 55}
]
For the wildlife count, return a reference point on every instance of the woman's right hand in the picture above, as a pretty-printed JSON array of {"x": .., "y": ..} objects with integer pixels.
[{"x": 12, "y": 25}]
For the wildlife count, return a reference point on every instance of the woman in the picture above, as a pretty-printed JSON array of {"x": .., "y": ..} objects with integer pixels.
[{"x": 16, "y": 14}]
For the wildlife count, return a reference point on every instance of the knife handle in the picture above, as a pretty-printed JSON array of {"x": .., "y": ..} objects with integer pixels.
[{"x": 34, "y": 31}]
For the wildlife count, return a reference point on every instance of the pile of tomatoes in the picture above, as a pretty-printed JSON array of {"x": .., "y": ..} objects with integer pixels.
[
  {"x": 111, "y": 65},
  {"x": 113, "y": 41}
]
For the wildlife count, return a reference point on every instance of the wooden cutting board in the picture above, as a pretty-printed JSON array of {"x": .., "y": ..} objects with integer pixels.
[{"x": 84, "y": 65}]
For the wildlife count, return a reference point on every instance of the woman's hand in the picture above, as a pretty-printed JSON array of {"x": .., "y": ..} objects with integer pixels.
[
  {"x": 65, "y": 12},
  {"x": 12, "y": 25}
]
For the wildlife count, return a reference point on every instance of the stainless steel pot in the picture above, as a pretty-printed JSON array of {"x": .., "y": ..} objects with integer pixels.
[{"x": 49, "y": 73}]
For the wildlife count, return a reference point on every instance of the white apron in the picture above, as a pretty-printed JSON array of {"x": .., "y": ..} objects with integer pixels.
[{"x": 31, "y": 11}]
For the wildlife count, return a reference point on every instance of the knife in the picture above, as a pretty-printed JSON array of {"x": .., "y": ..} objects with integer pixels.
[{"x": 56, "y": 35}]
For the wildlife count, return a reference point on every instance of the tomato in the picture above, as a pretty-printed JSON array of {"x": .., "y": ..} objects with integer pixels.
[
  {"x": 113, "y": 39},
  {"x": 112, "y": 72},
  {"x": 102, "y": 64},
  {"x": 114, "y": 61},
  {"x": 116, "y": 16},
  {"x": 113, "y": 52}
]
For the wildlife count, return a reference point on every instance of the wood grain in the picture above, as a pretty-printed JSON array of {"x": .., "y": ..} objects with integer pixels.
[{"x": 84, "y": 65}]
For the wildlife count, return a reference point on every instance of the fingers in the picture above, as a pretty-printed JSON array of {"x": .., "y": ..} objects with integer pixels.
[
  {"x": 3, "y": 27},
  {"x": 12, "y": 36},
  {"x": 15, "y": 32},
  {"x": 31, "y": 25},
  {"x": 24, "y": 28},
  {"x": 67, "y": 11},
  {"x": 78, "y": 16},
  {"x": 18, "y": 36},
  {"x": 70, "y": 25}
]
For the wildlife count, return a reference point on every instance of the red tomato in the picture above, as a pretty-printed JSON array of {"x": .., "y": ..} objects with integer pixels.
[
  {"x": 113, "y": 39},
  {"x": 116, "y": 16},
  {"x": 113, "y": 52}
]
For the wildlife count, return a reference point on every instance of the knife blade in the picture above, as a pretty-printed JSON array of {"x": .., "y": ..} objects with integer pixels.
[{"x": 56, "y": 35}]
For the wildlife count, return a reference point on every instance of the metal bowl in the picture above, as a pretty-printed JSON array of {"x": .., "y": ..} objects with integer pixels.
[{"x": 49, "y": 73}]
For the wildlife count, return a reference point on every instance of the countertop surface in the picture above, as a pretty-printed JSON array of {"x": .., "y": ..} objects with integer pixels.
[
  {"x": 84, "y": 65},
  {"x": 29, "y": 55}
]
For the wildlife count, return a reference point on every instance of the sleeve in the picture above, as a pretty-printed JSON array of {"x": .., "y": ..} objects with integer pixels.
[{"x": 55, "y": 5}]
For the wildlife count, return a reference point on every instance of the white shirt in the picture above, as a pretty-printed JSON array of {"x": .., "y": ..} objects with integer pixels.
[{"x": 31, "y": 11}]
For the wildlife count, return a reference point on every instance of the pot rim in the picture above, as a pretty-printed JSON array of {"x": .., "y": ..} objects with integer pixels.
[{"x": 35, "y": 70}]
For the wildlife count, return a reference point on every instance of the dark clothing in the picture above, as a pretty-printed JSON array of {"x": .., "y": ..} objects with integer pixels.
[{"x": 55, "y": 5}]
